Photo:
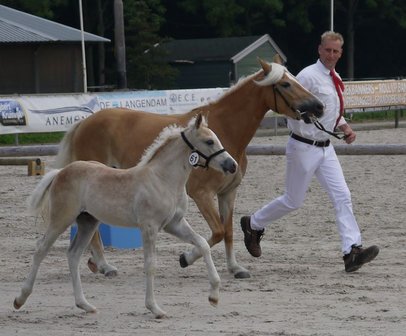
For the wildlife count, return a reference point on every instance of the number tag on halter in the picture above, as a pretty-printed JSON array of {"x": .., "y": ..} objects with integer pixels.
[{"x": 193, "y": 158}]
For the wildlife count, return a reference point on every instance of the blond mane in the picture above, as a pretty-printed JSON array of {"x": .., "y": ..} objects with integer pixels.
[
  {"x": 271, "y": 78},
  {"x": 241, "y": 81},
  {"x": 167, "y": 134}
]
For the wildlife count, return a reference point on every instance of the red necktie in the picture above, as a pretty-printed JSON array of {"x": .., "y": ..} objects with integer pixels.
[{"x": 340, "y": 89}]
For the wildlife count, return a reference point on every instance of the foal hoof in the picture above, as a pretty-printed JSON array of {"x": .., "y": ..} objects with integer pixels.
[
  {"x": 242, "y": 275},
  {"x": 16, "y": 304},
  {"x": 182, "y": 261},
  {"x": 111, "y": 274},
  {"x": 213, "y": 301},
  {"x": 92, "y": 266}
]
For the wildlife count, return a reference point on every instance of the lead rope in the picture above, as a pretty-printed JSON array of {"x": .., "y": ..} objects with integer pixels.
[
  {"x": 316, "y": 123},
  {"x": 320, "y": 126}
]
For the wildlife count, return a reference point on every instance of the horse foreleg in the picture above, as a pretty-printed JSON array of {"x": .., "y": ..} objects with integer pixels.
[
  {"x": 226, "y": 208},
  {"x": 43, "y": 246},
  {"x": 149, "y": 236},
  {"x": 183, "y": 231},
  {"x": 87, "y": 225},
  {"x": 97, "y": 262}
]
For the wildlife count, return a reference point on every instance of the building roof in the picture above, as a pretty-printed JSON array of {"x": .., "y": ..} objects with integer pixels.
[
  {"x": 20, "y": 27},
  {"x": 214, "y": 49}
]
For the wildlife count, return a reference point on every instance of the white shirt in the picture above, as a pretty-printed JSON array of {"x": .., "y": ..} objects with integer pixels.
[{"x": 316, "y": 78}]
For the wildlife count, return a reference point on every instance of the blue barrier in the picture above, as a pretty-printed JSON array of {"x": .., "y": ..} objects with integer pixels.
[{"x": 118, "y": 237}]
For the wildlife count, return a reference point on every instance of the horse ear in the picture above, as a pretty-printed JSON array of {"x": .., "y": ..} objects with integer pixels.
[
  {"x": 198, "y": 121},
  {"x": 278, "y": 59},
  {"x": 265, "y": 66}
]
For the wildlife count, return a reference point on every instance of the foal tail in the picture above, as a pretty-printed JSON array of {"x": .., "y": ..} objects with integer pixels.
[
  {"x": 37, "y": 200},
  {"x": 65, "y": 153}
]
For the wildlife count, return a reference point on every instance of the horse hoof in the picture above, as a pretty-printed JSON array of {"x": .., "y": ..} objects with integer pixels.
[
  {"x": 111, "y": 274},
  {"x": 16, "y": 304},
  {"x": 242, "y": 275},
  {"x": 213, "y": 301},
  {"x": 182, "y": 261},
  {"x": 161, "y": 316},
  {"x": 88, "y": 308},
  {"x": 92, "y": 266}
]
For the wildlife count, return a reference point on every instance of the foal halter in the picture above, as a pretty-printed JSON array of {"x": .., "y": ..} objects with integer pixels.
[{"x": 194, "y": 150}]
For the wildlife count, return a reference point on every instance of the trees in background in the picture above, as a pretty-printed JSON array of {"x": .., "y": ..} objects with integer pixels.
[{"x": 374, "y": 30}]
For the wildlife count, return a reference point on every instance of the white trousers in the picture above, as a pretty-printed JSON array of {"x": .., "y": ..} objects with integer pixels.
[{"x": 304, "y": 161}]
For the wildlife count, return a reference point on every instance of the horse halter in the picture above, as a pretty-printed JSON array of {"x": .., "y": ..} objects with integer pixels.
[
  {"x": 296, "y": 111},
  {"x": 199, "y": 153},
  {"x": 299, "y": 114}
]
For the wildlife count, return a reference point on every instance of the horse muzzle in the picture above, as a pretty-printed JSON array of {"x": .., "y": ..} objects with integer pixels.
[
  {"x": 229, "y": 166},
  {"x": 310, "y": 110}
]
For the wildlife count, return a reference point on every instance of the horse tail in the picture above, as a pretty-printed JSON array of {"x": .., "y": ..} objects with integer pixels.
[
  {"x": 65, "y": 151},
  {"x": 37, "y": 202}
]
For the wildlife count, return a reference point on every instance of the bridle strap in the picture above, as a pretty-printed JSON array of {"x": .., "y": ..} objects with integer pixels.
[
  {"x": 316, "y": 123},
  {"x": 207, "y": 158},
  {"x": 320, "y": 126},
  {"x": 275, "y": 91}
]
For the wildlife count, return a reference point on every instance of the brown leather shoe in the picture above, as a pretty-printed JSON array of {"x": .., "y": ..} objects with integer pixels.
[
  {"x": 252, "y": 237},
  {"x": 359, "y": 256}
]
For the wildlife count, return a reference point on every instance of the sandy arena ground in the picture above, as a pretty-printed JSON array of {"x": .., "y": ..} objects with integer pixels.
[{"x": 298, "y": 286}]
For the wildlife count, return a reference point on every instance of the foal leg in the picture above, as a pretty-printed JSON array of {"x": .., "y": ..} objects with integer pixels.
[
  {"x": 97, "y": 262},
  {"x": 87, "y": 225},
  {"x": 205, "y": 202},
  {"x": 183, "y": 231},
  {"x": 149, "y": 236},
  {"x": 43, "y": 246}
]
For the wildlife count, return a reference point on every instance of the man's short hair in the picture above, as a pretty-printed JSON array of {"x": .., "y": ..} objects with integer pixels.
[{"x": 330, "y": 35}]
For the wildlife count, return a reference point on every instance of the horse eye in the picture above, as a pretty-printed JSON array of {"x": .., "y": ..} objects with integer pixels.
[
  {"x": 285, "y": 85},
  {"x": 210, "y": 142}
]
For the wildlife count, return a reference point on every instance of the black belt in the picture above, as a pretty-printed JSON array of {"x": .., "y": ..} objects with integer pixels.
[{"x": 310, "y": 142}]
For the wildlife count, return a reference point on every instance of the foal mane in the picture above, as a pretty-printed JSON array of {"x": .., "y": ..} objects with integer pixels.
[{"x": 167, "y": 134}]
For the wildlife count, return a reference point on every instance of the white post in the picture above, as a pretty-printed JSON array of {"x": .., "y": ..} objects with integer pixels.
[
  {"x": 83, "y": 48},
  {"x": 332, "y": 15}
]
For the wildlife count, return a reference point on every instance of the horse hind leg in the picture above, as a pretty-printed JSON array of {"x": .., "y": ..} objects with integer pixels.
[
  {"x": 43, "y": 246},
  {"x": 183, "y": 231},
  {"x": 97, "y": 262},
  {"x": 87, "y": 225}
]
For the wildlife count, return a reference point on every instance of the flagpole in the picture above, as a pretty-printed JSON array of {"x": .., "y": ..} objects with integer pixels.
[
  {"x": 332, "y": 15},
  {"x": 83, "y": 48}
]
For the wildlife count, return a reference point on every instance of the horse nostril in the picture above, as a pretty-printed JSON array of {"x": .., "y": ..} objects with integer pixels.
[
  {"x": 229, "y": 167},
  {"x": 320, "y": 110}
]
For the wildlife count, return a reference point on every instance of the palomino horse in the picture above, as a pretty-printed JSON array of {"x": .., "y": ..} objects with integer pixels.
[
  {"x": 118, "y": 137},
  {"x": 151, "y": 196}
]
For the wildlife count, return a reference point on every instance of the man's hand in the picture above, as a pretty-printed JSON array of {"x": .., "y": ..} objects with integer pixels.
[{"x": 349, "y": 134}]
